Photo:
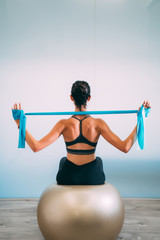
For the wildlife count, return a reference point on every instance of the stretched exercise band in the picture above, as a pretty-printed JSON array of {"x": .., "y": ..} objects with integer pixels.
[
  {"x": 83, "y": 113},
  {"x": 143, "y": 112}
]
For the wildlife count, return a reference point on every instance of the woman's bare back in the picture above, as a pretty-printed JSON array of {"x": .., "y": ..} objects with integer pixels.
[{"x": 90, "y": 131}]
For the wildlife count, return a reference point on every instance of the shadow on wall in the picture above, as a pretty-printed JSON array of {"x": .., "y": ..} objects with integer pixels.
[{"x": 134, "y": 178}]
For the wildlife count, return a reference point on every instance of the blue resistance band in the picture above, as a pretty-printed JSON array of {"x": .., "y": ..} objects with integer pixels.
[{"x": 141, "y": 114}]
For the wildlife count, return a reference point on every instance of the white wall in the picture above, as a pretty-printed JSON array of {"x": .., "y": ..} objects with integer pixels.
[{"x": 45, "y": 47}]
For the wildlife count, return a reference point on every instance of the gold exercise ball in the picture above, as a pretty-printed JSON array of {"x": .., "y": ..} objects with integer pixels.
[{"x": 80, "y": 212}]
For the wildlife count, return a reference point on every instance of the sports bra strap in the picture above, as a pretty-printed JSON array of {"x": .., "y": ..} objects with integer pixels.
[
  {"x": 81, "y": 122},
  {"x": 76, "y": 118},
  {"x": 81, "y": 119}
]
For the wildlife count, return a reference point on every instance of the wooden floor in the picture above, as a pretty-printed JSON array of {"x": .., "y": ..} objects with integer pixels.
[{"x": 18, "y": 220}]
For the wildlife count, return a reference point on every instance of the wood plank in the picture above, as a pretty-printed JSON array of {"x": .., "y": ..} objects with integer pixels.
[
  {"x": 18, "y": 220},
  {"x": 142, "y": 220}
]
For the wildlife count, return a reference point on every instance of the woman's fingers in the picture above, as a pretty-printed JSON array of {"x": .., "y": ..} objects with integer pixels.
[
  {"x": 15, "y": 106},
  {"x": 147, "y": 104}
]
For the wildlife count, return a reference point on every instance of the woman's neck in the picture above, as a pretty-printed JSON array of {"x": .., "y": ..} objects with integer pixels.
[{"x": 83, "y": 109}]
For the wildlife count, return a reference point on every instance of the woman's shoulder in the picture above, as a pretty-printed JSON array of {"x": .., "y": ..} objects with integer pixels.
[
  {"x": 99, "y": 123},
  {"x": 93, "y": 120},
  {"x": 66, "y": 121},
  {"x": 98, "y": 120}
]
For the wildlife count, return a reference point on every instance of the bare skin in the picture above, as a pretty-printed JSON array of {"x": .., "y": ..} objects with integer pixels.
[{"x": 92, "y": 129}]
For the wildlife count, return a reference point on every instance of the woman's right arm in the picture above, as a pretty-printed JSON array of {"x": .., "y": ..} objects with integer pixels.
[{"x": 113, "y": 139}]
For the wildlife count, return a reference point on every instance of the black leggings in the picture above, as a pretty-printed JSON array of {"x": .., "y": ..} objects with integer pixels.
[{"x": 87, "y": 174}]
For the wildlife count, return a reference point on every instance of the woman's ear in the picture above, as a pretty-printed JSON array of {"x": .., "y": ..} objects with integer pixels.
[
  {"x": 71, "y": 98},
  {"x": 89, "y": 98}
]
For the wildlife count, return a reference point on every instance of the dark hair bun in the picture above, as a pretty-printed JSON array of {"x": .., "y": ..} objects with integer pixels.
[{"x": 80, "y": 92}]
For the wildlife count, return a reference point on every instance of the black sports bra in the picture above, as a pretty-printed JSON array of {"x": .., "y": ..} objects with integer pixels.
[{"x": 81, "y": 139}]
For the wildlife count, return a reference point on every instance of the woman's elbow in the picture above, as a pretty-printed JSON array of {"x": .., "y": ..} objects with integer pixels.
[
  {"x": 126, "y": 150},
  {"x": 35, "y": 148},
  {"x": 126, "y": 147}
]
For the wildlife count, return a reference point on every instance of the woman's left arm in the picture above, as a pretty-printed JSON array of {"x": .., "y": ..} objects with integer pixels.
[{"x": 51, "y": 137}]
